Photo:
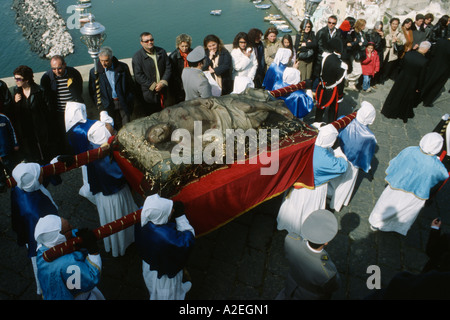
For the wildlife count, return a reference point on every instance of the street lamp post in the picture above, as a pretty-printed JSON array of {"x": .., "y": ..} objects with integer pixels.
[
  {"x": 93, "y": 36},
  {"x": 310, "y": 8}
]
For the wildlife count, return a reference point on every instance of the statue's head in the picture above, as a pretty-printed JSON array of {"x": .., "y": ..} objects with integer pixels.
[{"x": 159, "y": 133}]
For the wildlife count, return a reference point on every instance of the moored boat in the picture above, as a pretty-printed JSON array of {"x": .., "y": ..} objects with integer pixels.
[
  {"x": 263, "y": 6},
  {"x": 216, "y": 12}
]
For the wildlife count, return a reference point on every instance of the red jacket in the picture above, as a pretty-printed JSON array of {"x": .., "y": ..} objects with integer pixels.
[{"x": 371, "y": 64}]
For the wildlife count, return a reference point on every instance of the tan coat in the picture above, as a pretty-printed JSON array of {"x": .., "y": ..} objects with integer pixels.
[
  {"x": 270, "y": 50},
  {"x": 389, "y": 49}
]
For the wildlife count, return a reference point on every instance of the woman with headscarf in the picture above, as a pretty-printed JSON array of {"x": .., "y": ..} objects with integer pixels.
[
  {"x": 299, "y": 102},
  {"x": 164, "y": 240},
  {"x": 357, "y": 143},
  {"x": 73, "y": 276},
  {"x": 302, "y": 200},
  {"x": 275, "y": 72},
  {"x": 410, "y": 177},
  {"x": 30, "y": 200},
  {"x": 111, "y": 191},
  {"x": 178, "y": 58}
]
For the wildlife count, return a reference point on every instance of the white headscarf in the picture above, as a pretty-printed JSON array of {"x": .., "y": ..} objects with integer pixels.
[
  {"x": 106, "y": 118},
  {"x": 327, "y": 136},
  {"x": 366, "y": 115},
  {"x": 156, "y": 210},
  {"x": 75, "y": 112},
  {"x": 47, "y": 231},
  {"x": 27, "y": 175},
  {"x": 98, "y": 133},
  {"x": 291, "y": 75},
  {"x": 431, "y": 143},
  {"x": 241, "y": 83},
  {"x": 283, "y": 56}
]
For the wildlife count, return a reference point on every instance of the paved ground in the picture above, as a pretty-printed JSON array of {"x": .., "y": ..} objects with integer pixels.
[{"x": 244, "y": 260}]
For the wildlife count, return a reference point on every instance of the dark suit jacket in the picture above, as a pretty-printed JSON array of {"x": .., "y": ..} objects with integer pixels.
[
  {"x": 123, "y": 85},
  {"x": 145, "y": 75}
]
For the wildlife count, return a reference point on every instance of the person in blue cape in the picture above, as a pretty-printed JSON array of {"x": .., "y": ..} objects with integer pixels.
[
  {"x": 73, "y": 276},
  {"x": 300, "y": 202},
  {"x": 357, "y": 143},
  {"x": 280, "y": 75},
  {"x": 410, "y": 177},
  {"x": 30, "y": 201},
  {"x": 164, "y": 240},
  {"x": 77, "y": 125}
]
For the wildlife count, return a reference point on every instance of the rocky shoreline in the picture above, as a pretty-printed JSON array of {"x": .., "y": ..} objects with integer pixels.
[
  {"x": 287, "y": 13},
  {"x": 43, "y": 27}
]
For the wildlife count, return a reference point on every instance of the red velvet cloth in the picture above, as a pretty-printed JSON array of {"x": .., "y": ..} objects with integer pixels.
[{"x": 217, "y": 198}]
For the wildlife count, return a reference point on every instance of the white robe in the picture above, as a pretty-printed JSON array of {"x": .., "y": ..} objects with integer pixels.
[
  {"x": 395, "y": 210},
  {"x": 340, "y": 189},
  {"x": 114, "y": 207},
  {"x": 298, "y": 205}
]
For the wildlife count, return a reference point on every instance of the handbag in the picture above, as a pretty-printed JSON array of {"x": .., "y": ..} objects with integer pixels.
[
  {"x": 302, "y": 55},
  {"x": 398, "y": 48}
]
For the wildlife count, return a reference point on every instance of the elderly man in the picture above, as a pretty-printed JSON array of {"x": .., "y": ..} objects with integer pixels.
[
  {"x": 116, "y": 87},
  {"x": 312, "y": 275},
  {"x": 164, "y": 239},
  {"x": 61, "y": 84},
  {"x": 73, "y": 276},
  {"x": 410, "y": 175},
  {"x": 152, "y": 71},
  {"x": 195, "y": 83},
  {"x": 30, "y": 200}
]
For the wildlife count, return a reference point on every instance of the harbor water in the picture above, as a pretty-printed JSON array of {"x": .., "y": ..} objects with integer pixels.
[{"x": 124, "y": 20}]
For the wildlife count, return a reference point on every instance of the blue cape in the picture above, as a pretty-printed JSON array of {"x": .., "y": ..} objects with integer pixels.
[
  {"x": 163, "y": 247},
  {"x": 326, "y": 166}
]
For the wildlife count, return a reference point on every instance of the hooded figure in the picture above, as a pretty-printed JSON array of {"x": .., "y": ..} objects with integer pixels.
[
  {"x": 73, "y": 276},
  {"x": 275, "y": 72},
  {"x": 357, "y": 143},
  {"x": 410, "y": 175},
  {"x": 301, "y": 201},
  {"x": 30, "y": 200},
  {"x": 164, "y": 240}
]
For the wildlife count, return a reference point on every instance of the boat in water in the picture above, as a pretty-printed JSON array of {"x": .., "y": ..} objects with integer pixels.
[
  {"x": 277, "y": 22},
  {"x": 263, "y": 6},
  {"x": 272, "y": 17},
  {"x": 257, "y": 1},
  {"x": 216, "y": 12}
]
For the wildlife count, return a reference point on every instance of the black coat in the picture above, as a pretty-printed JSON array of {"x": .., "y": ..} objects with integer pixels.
[
  {"x": 124, "y": 87},
  {"x": 322, "y": 37},
  {"x": 311, "y": 43},
  {"x": 224, "y": 69},
  {"x": 176, "y": 84},
  {"x": 33, "y": 124},
  {"x": 50, "y": 85},
  {"x": 145, "y": 75},
  {"x": 403, "y": 97},
  {"x": 438, "y": 71}
]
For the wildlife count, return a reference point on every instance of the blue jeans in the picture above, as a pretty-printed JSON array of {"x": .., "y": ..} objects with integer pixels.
[{"x": 366, "y": 82}]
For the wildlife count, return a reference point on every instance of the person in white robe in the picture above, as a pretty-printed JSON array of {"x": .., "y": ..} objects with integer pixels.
[
  {"x": 164, "y": 239},
  {"x": 358, "y": 142},
  {"x": 73, "y": 276},
  {"x": 75, "y": 113},
  {"x": 115, "y": 200},
  {"x": 410, "y": 177},
  {"x": 299, "y": 203}
]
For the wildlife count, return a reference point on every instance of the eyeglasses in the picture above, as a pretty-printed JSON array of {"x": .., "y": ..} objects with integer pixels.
[
  {"x": 18, "y": 79},
  {"x": 147, "y": 41},
  {"x": 329, "y": 22}
]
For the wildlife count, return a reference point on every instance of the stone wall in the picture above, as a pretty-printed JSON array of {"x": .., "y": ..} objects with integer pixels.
[{"x": 43, "y": 27}]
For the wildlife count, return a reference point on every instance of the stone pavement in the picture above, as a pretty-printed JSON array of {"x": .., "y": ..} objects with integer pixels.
[{"x": 244, "y": 260}]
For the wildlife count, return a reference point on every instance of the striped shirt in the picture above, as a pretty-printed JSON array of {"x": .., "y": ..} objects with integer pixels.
[{"x": 63, "y": 94}]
